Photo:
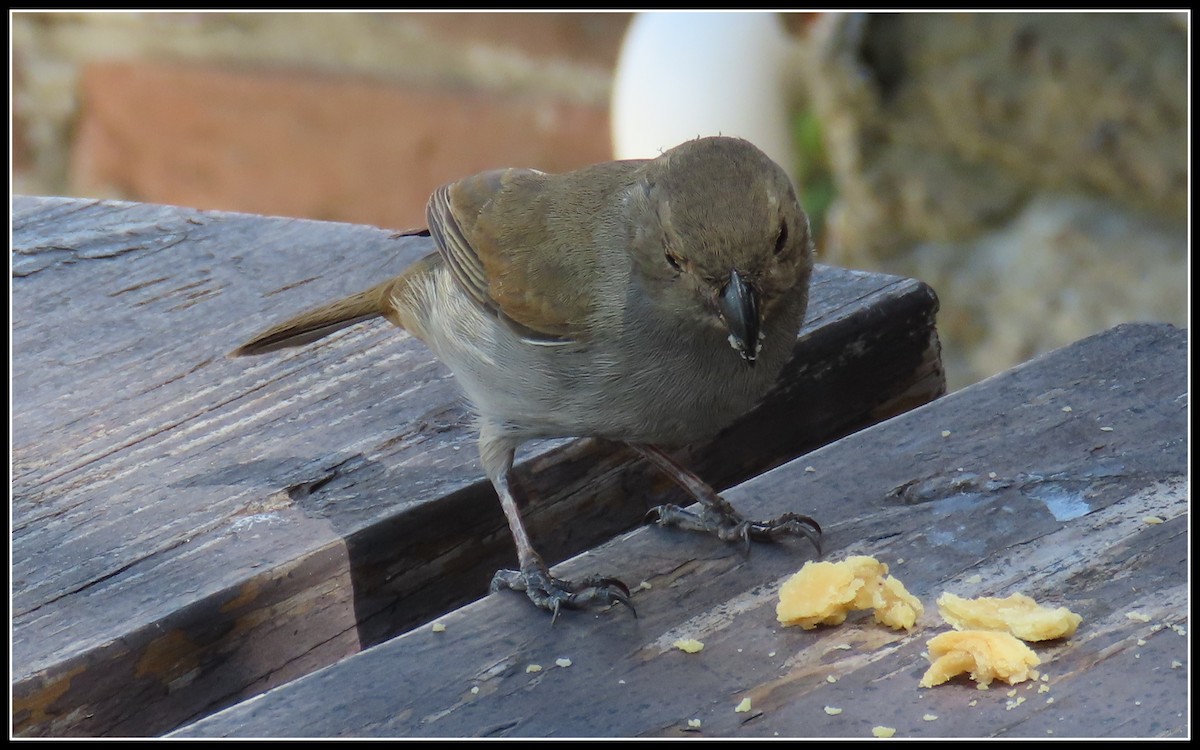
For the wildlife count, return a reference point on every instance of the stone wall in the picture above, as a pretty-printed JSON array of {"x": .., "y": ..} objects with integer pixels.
[{"x": 1031, "y": 167}]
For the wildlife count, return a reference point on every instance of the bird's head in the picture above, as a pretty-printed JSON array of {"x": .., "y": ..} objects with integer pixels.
[{"x": 718, "y": 235}]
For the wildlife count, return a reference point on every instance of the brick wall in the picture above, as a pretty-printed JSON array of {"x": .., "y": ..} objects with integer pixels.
[{"x": 349, "y": 117}]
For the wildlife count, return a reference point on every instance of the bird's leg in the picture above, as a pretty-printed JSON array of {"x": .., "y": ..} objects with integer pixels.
[
  {"x": 716, "y": 515},
  {"x": 533, "y": 577}
]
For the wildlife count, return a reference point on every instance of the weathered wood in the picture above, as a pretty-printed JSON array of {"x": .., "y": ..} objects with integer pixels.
[
  {"x": 189, "y": 530},
  {"x": 1085, "y": 444}
]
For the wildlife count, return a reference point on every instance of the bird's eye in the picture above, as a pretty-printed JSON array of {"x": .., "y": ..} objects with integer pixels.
[
  {"x": 675, "y": 261},
  {"x": 781, "y": 240}
]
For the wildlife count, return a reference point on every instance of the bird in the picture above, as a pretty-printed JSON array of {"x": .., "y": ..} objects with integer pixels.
[{"x": 645, "y": 301}]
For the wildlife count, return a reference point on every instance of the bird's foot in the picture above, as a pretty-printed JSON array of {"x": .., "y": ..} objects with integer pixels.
[
  {"x": 727, "y": 524},
  {"x": 554, "y": 594}
]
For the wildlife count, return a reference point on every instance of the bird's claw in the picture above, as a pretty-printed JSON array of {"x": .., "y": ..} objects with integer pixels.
[
  {"x": 729, "y": 526},
  {"x": 555, "y": 594}
]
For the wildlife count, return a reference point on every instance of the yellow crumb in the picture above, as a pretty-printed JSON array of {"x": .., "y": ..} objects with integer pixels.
[
  {"x": 883, "y": 731},
  {"x": 1018, "y": 614},
  {"x": 823, "y": 593},
  {"x": 985, "y": 654},
  {"x": 688, "y": 645},
  {"x": 832, "y": 711},
  {"x": 743, "y": 707}
]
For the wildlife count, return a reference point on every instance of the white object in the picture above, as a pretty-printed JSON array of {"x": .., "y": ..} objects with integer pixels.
[{"x": 683, "y": 75}]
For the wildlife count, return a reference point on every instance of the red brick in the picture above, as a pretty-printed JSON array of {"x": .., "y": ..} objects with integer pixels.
[{"x": 311, "y": 145}]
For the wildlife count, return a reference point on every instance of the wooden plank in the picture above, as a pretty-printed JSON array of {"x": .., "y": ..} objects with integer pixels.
[
  {"x": 1085, "y": 444},
  {"x": 190, "y": 530}
]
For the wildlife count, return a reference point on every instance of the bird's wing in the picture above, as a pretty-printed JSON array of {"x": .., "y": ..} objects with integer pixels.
[{"x": 496, "y": 231}]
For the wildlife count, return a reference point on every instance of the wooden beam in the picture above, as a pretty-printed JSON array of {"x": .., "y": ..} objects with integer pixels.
[
  {"x": 1064, "y": 479},
  {"x": 190, "y": 530}
]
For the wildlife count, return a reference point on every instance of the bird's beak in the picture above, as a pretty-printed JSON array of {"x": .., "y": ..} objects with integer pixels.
[{"x": 739, "y": 310}]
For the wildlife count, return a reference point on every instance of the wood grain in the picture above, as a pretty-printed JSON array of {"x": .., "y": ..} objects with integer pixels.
[
  {"x": 190, "y": 530},
  {"x": 1065, "y": 479}
]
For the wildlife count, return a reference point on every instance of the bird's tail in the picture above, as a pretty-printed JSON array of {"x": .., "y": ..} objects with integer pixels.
[{"x": 308, "y": 326}]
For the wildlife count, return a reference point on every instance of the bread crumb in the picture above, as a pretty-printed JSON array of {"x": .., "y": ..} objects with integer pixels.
[
  {"x": 824, "y": 593},
  {"x": 809, "y": 469},
  {"x": 1018, "y": 614},
  {"x": 985, "y": 654},
  {"x": 945, "y": 433},
  {"x": 930, "y": 717},
  {"x": 830, "y": 678},
  {"x": 1066, "y": 408},
  {"x": 1151, "y": 519},
  {"x": 1139, "y": 616},
  {"x": 743, "y": 707},
  {"x": 689, "y": 645},
  {"x": 533, "y": 668},
  {"x": 563, "y": 662},
  {"x": 694, "y": 723},
  {"x": 1106, "y": 429},
  {"x": 474, "y": 690},
  {"x": 883, "y": 731},
  {"x": 438, "y": 627},
  {"x": 832, "y": 711}
]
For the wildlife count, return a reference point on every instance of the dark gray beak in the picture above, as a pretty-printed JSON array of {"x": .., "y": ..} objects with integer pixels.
[{"x": 739, "y": 310}]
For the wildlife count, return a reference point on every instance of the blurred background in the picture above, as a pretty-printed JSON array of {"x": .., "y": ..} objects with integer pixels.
[{"x": 1031, "y": 167}]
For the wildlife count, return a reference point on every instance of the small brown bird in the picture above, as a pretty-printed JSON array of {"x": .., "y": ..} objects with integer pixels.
[{"x": 650, "y": 302}]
